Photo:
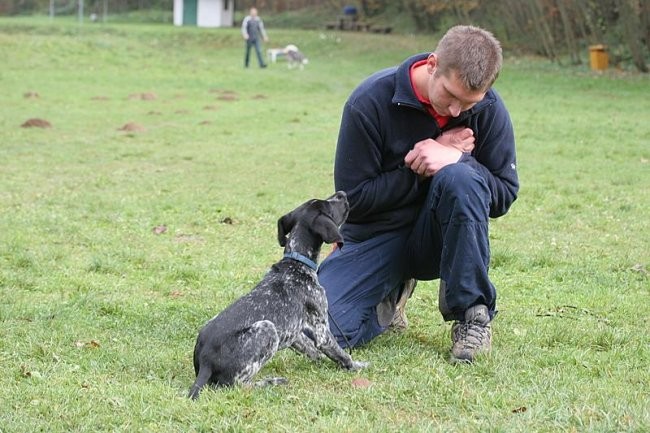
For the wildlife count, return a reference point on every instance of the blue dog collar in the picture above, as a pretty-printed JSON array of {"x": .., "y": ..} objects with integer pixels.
[{"x": 302, "y": 259}]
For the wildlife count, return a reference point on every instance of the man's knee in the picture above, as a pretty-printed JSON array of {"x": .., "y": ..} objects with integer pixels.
[
  {"x": 461, "y": 189},
  {"x": 460, "y": 177}
]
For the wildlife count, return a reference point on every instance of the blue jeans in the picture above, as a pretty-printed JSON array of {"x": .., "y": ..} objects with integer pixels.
[
  {"x": 258, "y": 50},
  {"x": 449, "y": 240}
]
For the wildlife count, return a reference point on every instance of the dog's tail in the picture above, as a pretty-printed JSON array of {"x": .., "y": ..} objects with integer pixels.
[{"x": 201, "y": 380}]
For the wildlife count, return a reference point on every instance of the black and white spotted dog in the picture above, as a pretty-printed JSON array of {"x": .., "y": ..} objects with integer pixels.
[
  {"x": 288, "y": 308},
  {"x": 295, "y": 57}
]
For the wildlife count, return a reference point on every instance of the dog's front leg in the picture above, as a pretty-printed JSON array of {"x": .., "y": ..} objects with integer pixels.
[
  {"x": 327, "y": 344},
  {"x": 306, "y": 346}
]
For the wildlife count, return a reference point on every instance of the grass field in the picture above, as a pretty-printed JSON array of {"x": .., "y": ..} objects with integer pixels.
[{"x": 117, "y": 245}]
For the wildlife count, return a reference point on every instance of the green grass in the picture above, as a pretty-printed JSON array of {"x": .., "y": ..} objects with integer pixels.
[{"x": 98, "y": 314}]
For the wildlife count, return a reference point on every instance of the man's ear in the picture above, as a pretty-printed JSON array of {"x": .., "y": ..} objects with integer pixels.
[
  {"x": 325, "y": 227},
  {"x": 432, "y": 63},
  {"x": 285, "y": 224}
]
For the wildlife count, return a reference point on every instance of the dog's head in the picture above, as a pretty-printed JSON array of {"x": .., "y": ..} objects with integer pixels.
[{"x": 321, "y": 217}]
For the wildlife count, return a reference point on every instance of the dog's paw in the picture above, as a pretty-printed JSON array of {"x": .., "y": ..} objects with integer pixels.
[{"x": 358, "y": 365}]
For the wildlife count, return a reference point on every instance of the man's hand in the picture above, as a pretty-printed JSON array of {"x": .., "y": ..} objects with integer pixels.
[
  {"x": 460, "y": 138},
  {"x": 429, "y": 156}
]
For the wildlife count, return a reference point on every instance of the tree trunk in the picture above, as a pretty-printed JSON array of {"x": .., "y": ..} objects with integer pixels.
[
  {"x": 569, "y": 35},
  {"x": 645, "y": 23},
  {"x": 577, "y": 13},
  {"x": 630, "y": 16},
  {"x": 534, "y": 13}
]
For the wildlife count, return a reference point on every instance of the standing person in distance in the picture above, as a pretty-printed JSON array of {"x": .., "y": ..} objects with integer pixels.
[{"x": 252, "y": 30}]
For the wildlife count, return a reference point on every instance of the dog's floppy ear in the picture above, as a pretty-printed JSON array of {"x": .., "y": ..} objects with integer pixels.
[
  {"x": 325, "y": 227},
  {"x": 285, "y": 224}
]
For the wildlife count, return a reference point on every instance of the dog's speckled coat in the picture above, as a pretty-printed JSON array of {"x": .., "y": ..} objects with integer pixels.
[{"x": 288, "y": 308}]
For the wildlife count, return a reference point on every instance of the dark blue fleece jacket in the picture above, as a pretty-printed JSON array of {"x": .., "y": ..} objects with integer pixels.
[{"x": 382, "y": 120}]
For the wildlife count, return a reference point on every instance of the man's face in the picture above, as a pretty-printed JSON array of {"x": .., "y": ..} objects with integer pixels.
[{"x": 447, "y": 94}]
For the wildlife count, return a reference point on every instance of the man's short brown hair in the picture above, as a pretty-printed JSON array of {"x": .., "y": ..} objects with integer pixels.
[{"x": 473, "y": 53}]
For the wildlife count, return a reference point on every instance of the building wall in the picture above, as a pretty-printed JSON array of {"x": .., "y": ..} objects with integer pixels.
[
  {"x": 178, "y": 12},
  {"x": 210, "y": 13}
]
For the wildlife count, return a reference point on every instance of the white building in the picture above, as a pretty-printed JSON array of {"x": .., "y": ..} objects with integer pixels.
[{"x": 204, "y": 13}]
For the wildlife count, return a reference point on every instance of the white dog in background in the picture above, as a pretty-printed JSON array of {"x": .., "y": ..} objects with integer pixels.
[{"x": 295, "y": 58}]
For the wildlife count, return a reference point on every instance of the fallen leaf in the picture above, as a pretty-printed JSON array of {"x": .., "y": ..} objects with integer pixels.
[
  {"x": 24, "y": 372},
  {"x": 158, "y": 230},
  {"x": 92, "y": 344},
  {"x": 361, "y": 383}
]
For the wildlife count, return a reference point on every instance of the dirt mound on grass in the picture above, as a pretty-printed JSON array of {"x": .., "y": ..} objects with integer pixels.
[
  {"x": 36, "y": 123},
  {"x": 225, "y": 95},
  {"x": 145, "y": 96},
  {"x": 132, "y": 127}
]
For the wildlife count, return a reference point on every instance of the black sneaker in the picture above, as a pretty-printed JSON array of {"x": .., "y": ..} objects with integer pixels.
[{"x": 471, "y": 336}]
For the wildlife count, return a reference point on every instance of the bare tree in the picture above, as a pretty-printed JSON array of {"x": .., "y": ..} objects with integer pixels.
[
  {"x": 631, "y": 23},
  {"x": 569, "y": 32}
]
